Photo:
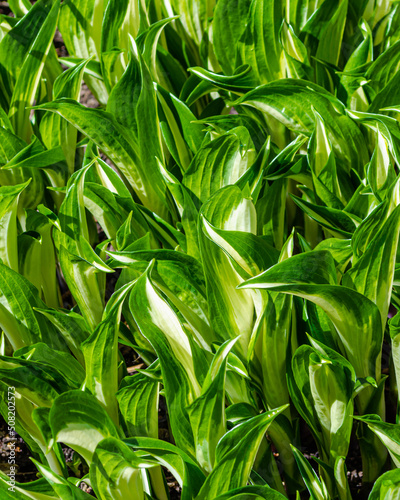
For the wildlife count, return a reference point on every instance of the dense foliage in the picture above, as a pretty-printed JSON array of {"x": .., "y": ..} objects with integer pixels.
[{"x": 241, "y": 179}]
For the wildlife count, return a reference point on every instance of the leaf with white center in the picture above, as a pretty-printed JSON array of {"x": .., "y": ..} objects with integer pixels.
[
  {"x": 63, "y": 488},
  {"x": 315, "y": 485},
  {"x": 207, "y": 412},
  {"x": 331, "y": 386},
  {"x": 268, "y": 348},
  {"x": 102, "y": 355},
  {"x": 78, "y": 420},
  {"x": 35, "y": 490},
  {"x": 80, "y": 23},
  {"x": 373, "y": 273},
  {"x": 18, "y": 319},
  {"x": 184, "y": 469},
  {"x": 231, "y": 311},
  {"x": 160, "y": 325},
  {"x": 387, "y": 486},
  {"x": 388, "y": 433},
  {"x": 235, "y": 455},
  {"x": 259, "y": 44},
  {"x": 220, "y": 163},
  {"x": 356, "y": 318},
  {"x": 292, "y": 101},
  {"x": 115, "y": 471},
  {"x": 138, "y": 403},
  {"x": 9, "y": 196}
]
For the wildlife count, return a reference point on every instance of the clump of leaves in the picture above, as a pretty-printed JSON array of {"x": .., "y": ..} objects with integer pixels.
[{"x": 249, "y": 206}]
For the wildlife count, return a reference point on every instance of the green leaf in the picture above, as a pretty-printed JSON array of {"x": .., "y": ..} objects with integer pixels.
[
  {"x": 29, "y": 76},
  {"x": 80, "y": 25},
  {"x": 381, "y": 71},
  {"x": 388, "y": 126},
  {"x": 181, "y": 279},
  {"x": 373, "y": 273},
  {"x": 298, "y": 12},
  {"x": 185, "y": 470},
  {"x": 24, "y": 423},
  {"x": 62, "y": 362},
  {"x": 230, "y": 17},
  {"x": 138, "y": 404},
  {"x": 78, "y": 420},
  {"x": 315, "y": 486},
  {"x": 322, "y": 390},
  {"x": 53, "y": 129},
  {"x": 18, "y": 319},
  {"x": 252, "y": 493},
  {"x": 72, "y": 327},
  {"x": 187, "y": 210},
  {"x": 182, "y": 133},
  {"x": 253, "y": 177},
  {"x": 268, "y": 349},
  {"x": 356, "y": 318},
  {"x": 35, "y": 490},
  {"x": 149, "y": 137},
  {"x": 340, "y": 250},
  {"x": 125, "y": 95},
  {"x": 362, "y": 55},
  {"x": 159, "y": 324},
  {"x": 207, "y": 412},
  {"x": 36, "y": 381},
  {"x": 147, "y": 42},
  {"x": 323, "y": 164},
  {"x": 195, "y": 19},
  {"x": 102, "y": 354},
  {"x": 115, "y": 471},
  {"x": 104, "y": 207},
  {"x": 386, "y": 486},
  {"x": 37, "y": 260},
  {"x": 271, "y": 214},
  {"x": 388, "y": 433},
  {"x": 291, "y": 102},
  {"x": 235, "y": 454},
  {"x": 389, "y": 96},
  {"x": 62, "y": 488},
  {"x": 17, "y": 43},
  {"x": 11, "y": 146},
  {"x": 9, "y": 196},
  {"x": 250, "y": 253},
  {"x": 231, "y": 311},
  {"x": 338, "y": 222},
  {"x": 219, "y": 163},
  {"x": 240, "y": 82},
  {"x": 295, "y": 53},
  {"x": 116, "y": 142},
  {"x": 340, "y": 473},
  {"x": 380, "y": 172},
  {"x": 259, "y": 45},
  {"x": 331, "y": 35}
]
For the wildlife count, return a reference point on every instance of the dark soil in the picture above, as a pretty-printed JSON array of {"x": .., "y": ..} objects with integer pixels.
[
  {"x": 87, "y": 98},
  {"x": 5, "y": 9},
  {"x": 25, "y": 470},
  {"x": 59, "y": 45}
]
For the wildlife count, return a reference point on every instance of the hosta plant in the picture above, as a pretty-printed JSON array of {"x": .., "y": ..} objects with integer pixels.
[{"x": 229, "y": 213}]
